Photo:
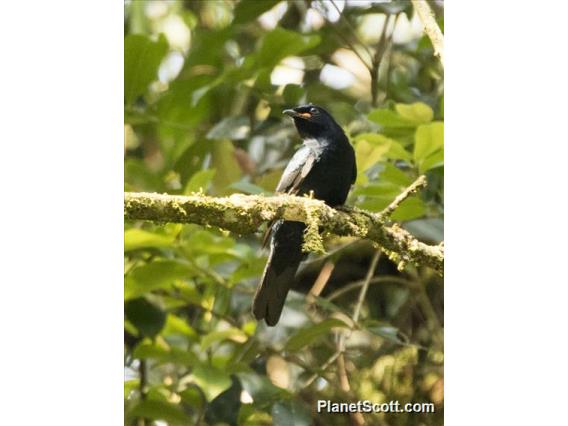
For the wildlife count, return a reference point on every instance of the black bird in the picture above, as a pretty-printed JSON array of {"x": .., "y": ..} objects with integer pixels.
[{"x": 325, "y": 164}]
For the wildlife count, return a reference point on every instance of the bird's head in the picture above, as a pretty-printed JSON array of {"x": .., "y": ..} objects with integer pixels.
[{"x": 313, "y": 121}]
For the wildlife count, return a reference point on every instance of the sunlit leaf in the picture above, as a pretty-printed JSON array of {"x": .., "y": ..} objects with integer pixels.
[
  {"x": 389, "y": 118},
  {"x": 429, "y": 138},
  {"x": 130, "y": 386},
  {"x": 176, "y": 325},
  {"x": 434, "y": 160},
  {"x": 368, "y": 154},
  {"x": 395, "y": 149},
  {"x": 418, "y": 112}
]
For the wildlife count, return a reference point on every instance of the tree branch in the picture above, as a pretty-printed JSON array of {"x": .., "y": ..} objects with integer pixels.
[
  {"x": 244, "y": 214},
  {"x": 416, "y": 185},
  {"x": 431, "y": 28}
]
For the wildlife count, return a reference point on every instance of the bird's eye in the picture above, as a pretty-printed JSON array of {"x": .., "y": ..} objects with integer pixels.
[{"x": 313, "y": 110}]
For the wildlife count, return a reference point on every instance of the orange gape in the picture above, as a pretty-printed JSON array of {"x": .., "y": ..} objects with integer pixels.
[{"x": 305, "y": 115}]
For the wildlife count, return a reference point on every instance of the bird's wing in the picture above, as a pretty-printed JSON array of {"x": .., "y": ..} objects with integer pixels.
[
  {"x": 294, "y": 174},
  {"x": 296, "y": 171},
  {"x": 354, "y": 172}
]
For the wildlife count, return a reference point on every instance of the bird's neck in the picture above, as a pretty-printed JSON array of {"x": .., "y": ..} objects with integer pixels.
[{"x": 336, "y": 139}]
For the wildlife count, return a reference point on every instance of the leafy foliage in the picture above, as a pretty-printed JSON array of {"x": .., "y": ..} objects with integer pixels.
[{"x": 205, "y": 83}]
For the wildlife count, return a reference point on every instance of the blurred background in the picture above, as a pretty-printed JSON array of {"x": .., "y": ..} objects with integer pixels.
[{"x": 205, "y": 84}]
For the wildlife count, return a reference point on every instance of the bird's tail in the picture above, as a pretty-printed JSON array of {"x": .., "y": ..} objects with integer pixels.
[{"x": 283, "y": 262}]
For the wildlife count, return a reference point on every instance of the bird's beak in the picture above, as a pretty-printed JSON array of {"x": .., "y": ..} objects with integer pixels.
[{"x": 292, "y": 113}]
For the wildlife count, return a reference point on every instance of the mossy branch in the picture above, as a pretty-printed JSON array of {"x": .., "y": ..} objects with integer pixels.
[{"x": 244, "y": 214}]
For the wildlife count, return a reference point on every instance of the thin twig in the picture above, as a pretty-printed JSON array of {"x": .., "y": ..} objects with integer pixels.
[
  {"x": 346, "y": 334},
  {"x": 377, "y": 280},
  {"x": 353, "y": 30},
  {"x": 141, "y": 421},
  {"x": 347, "y": 41},
  {"x": 356, "y": 417},
  {"x": 365, "y": 287},
  {"x": 322, "y": 279},
  {"x": 416, "y": 185},
  {"x": 325, "y": 365},
  {"x": 330, "y": 254},
  {"x": 431, "y": 27},
  {"x": 377, "y": 59}
]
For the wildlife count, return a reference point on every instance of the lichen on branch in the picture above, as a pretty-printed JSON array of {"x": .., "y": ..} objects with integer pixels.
[{"x": 244, "y": 214}]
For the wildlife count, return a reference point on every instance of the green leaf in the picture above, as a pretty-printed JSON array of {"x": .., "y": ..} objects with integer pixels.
[
  {"x": 211, "y": 380},
  {"x": 380, "y": 188},
  {"x": 164, "y": 355},
  {"x": 418, "y": 112},
  {"x": 248, "y": 188},
  {"x": 280, "y": 43},
  {"x": 234, "y": 128},
  {"x": 160, "y": 410},
  {"x": 249, "y": 415},
  {"x": 388, "y": 118},
  {"x": 293, "y": 93},
  {"x": 411, "y": 208},
  {"x": 385, "y": 331},
  {"x": 432, "y": 161},
  {"x": 142, "y": 58},
  {"x": 395, "y": 175},
  {"x": 290, "y": 413},
  {"x": 176, "y": 325},
  {"x": 248, "y": 10},
  {"x": 130, "y": 386},
  {"x": 395, "y": 150},
  {"x": 199, "y": 241},
  {"x": 429, "y": 141},
  {"x": 228, "y": 170},
  {"x": 145, "y": 316},
  {"x": 232, "y": 333},
  {"x": 308, "y": 334},
  {"x": 138, "y": 238},
  {"x": 199, "y": 181},
  {"x": 368, "y": 153},
  {"x": 152, "y": 276}
]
